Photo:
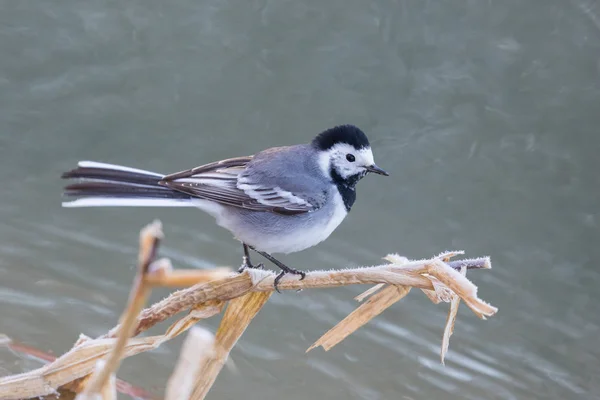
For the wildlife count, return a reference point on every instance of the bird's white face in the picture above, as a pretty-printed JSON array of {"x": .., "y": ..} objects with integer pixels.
[{"x": 347, "y": 161}]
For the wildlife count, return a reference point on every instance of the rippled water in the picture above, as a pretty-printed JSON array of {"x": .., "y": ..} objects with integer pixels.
[{"x": 486, "y": 114}]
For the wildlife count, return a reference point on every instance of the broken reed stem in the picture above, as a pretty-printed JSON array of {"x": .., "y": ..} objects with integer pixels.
[
  {"x": 223, "y": 289},
  {"x": 196, "y": 350},
  {"x": 108, "y": 390},
  {"x": 149, "y": 240},
  {"x": 450, "y": 320},
  {"x": 68, "y": 392},
  {"x": 238, "y": 315},
  {"x": 374, "y": 306},
  {"x": 246, "y": 293},
  {"x": 232, "y": 285},
  {"x": 185, "y": 277},
  {"x": 99, "y": 378}
]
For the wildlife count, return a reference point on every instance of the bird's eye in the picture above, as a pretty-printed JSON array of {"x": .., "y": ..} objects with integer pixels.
[{"x": 350, "y": 157}]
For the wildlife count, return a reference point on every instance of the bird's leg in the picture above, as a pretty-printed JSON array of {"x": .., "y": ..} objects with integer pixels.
[
  {"x": 246, "y": 263},
  {"x": 284, "y": 268}
]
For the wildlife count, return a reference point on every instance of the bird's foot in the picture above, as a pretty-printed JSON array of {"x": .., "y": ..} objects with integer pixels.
[
  {"x": 247, "y": 264},
  {"x": 287, "y": 270}
]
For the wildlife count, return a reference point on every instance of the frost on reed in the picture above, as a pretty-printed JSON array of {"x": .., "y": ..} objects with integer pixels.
[{"x": 88, "y": 370}]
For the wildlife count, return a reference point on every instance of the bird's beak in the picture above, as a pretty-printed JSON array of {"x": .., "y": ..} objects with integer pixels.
[{"x": 375, "y": 169}]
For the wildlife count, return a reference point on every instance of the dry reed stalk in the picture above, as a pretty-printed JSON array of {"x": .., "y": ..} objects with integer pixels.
[
  {"x": 76, "y": 363},
  {"x": 374, "y": 306},
  {"x": 218, "y": 290},
  {"x": 246, "y": 293},
  {"x": 150, "y": 238},
  {"x": 383, "y": 296},
  {"x": 197, "y": 313},
  {"x": 186, "y": 278},
  {"x": 108, "y": 390},
  {"x": 441, "y": 292},
  {"x": 370, "y": 291},
  {"x": 70, "y": 391},
  {"x": 238, "y": 315},
  {"x": 198, "y": 346},
  {"x": 236, "y": 285},
  {"x": 68, "y": 370},
  {"x": 449, "y": 327}
]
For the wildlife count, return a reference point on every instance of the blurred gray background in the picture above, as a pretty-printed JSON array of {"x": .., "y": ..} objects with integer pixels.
[{"x": 485, "y": 114}]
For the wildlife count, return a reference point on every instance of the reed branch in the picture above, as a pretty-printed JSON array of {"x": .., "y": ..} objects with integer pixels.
[
  {"x": 235, "y": 285},
  {"x": 198, "y": 348},
  {"x": 206, "y": 293},
  {"x": 150, "y": 238}
]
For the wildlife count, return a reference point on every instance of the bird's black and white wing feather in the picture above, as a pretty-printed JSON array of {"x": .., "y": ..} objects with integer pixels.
[
  {"x": 228, "y": 182},
  {"x": 244, "y": 182}
]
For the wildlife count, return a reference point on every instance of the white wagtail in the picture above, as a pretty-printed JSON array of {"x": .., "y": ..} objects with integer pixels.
[{"x": 281, "y": 200}]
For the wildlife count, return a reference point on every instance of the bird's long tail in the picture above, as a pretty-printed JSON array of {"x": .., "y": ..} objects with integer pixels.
[{"x": 102, "y": 185}]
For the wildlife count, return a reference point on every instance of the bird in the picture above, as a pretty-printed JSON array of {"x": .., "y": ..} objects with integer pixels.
[{"x": 279, "y": 200}]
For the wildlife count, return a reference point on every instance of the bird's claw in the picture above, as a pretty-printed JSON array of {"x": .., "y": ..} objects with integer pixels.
[{"x": 288, "y": 271}]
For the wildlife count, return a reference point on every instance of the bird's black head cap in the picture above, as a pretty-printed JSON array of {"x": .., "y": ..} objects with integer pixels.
[{"x": 349, "y": 134}]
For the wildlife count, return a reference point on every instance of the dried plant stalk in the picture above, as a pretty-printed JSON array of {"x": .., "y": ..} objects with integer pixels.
[
  {"x": 186, "y": 278},
  {"x": 449, "y": 327},
  {"x": 67, "y": 370},
  {"x": 149, "y": 240},
  {"x": 198, "y": 346},
  {"x": 228, "y": 288},
  {"x": 369, "y": 292},
  {"x": 122, "y": 386},
  {"x": 77, "y": 363},
  {"x": 412, "y": 274},
  {"x": 374, "y": 306},
  {"x": 246, "y": 293},
  {"x": 461, "y": 286},
  {"x": 236, "y": 285},
  {"x": 107, "y": 392},
  {"x": 238, "y": 315},
  {"x": 440, "y": 293}
]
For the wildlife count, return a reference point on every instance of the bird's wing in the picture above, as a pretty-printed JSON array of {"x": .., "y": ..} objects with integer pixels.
[
  {"x": 227, "y": 183},
  {"x": 230, "y": 165}
]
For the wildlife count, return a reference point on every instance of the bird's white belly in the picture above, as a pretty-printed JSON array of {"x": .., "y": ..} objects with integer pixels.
[
  {"x": 310, "y": 236},
  {"x": 291, "y": 234}
]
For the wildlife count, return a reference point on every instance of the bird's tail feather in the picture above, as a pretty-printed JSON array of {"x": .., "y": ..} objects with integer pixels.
[{"x": 115, "y": 185}]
